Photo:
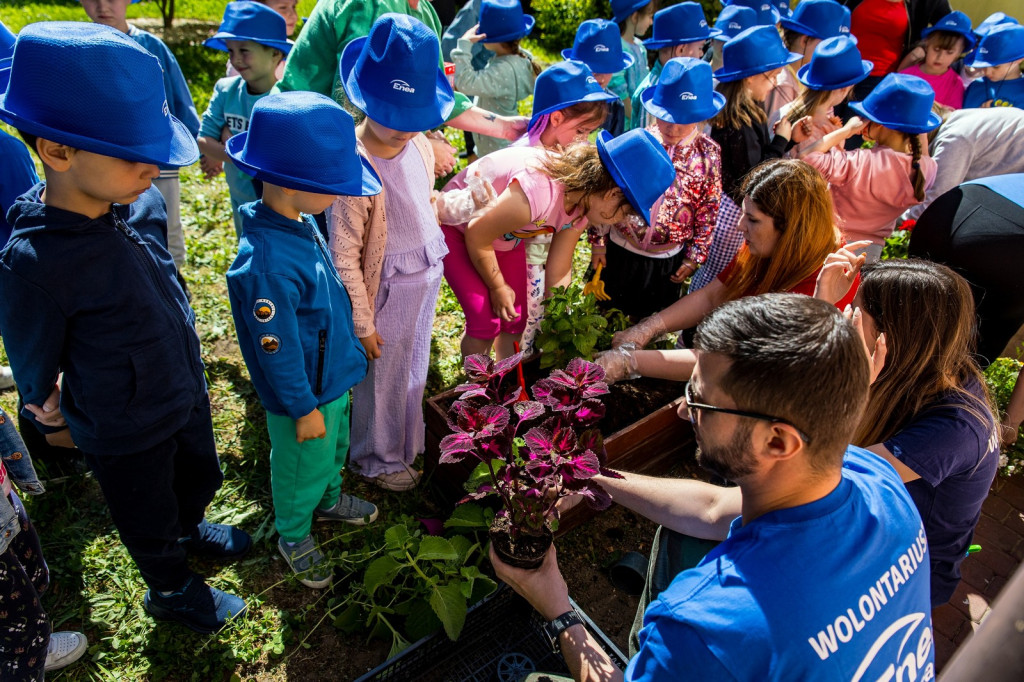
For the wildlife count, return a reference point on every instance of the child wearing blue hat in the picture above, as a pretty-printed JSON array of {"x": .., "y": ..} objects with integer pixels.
[
  {"x": 1000, "y": 56},
  {"x": 256, "y": 38},
  {"x": 731, "y": 21},
  {"x": 544, "y": 192},
  {"x": 121, "y": 330},
  {"x": 679, "y": 31},
  {"x": 810, "y": 23},
  {"x": 634, "y": 18},
  {"x": 597, "y": 45},
  {"x": 656, "y": 258},
  {"x": 392, "y": 269},
  {"x": 872, "y": 187},
  {"x": 944, "y": 44},
  {"x": 509, "y": 76},
  {"x": 179, "y": 100},
  {"x": 293, "y": 317}
]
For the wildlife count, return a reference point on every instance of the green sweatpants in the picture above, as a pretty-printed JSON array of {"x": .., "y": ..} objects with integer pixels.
[{"x": 305, "y": 476}]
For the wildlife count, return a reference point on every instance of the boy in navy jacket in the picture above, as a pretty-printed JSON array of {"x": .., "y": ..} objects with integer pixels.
[
  {"x": 90, "y": 291},
  {"x": 293, "y": 315}
]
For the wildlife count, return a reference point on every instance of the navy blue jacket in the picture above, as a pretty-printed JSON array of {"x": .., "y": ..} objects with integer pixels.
[
  {"x": 292, "y": 314},
  {"x": 99, "y": 300}
]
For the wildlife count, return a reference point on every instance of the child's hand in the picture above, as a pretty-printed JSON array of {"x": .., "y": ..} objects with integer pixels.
[
  {"x": 855, "y": 126},
  {"x": 503, "y": 301},
  {"x": 472, "y": 36},
  {"x": 444, "y": 153},
  {"x": 916, "y": 56},
  {"x": 309, "y": 427},
  {"x": 802, "y": 129},
  {"x": 685, "y": 270},
  {"x": 598, "y": 259},
  {"x": 372, "y": 345},
  {"x": 60, "y": 439},
  {"x": 211, "y": 167},
  {"x": 784, "y": 128}
]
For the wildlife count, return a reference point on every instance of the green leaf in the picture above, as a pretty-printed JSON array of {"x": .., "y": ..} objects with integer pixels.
[
  {"x": 421, "y": 621},
  {"x": 379, "y": 572},
  {"x": 349, "y": 621},
  {"x": 433, "y": 548},
  {"x": 450, "y": 607},
  {"x": 482, "y": 587},
  {"x": 462, "y": 545},
  {"x": 398, "y": 644},
  {"x": 467, "y": 515},
  {"x": 396, "y": 536},
  {"x": 481, "y": 475}
]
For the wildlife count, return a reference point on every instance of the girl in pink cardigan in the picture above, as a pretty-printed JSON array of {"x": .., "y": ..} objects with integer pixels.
[{"x": 873, "y": 187}]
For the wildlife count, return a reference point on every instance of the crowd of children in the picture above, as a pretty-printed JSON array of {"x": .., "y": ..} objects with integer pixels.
[{"x": 723, "y": 164}]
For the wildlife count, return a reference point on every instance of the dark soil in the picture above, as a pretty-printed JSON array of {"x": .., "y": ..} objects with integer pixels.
[{"x": 524, "y": 550}]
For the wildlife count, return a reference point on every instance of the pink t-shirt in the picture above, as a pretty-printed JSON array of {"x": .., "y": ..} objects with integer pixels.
[
  {"x": 949, "y": 87},
  {"x": 546, "y": 197}
]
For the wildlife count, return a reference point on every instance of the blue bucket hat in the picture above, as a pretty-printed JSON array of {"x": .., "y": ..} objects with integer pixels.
[
  {"x": 954, "y": 22},
  {"x": 733, "y": 20},
  {"x": 684, "y": 93},
  {"x": 7, "y": 40},
  {"x": 392, "y": 75},
  {"x": 992, "y": 21},
  {"x": 767, "y": 13},
  {"x": 289, "y": 136},
  {"x": 639, "y": 165},
  {"x": 247, "y": 20},
  {"x": 783, "y": 8},
  {"x": 564, "y": 84},
  {"x": 599, "y": 46},
  {"x": 622, "y": 9},
  {"x": 679, "y": 24},
  {"x": 755, "y": 50},
  {"x": 503, "y": 20},
  {"x": 1000, "y": 45},
  {"x": 835, "y": 64},
  {"x": 901, "y": 102},
  {"x": 67, "y": 78},
  {"x": 821, "y": 19}
]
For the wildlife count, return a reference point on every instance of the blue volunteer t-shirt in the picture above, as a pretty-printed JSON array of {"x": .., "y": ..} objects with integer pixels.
[
  {"x": 1009, "y": 93},
  {"x": 835, "y": 589}
]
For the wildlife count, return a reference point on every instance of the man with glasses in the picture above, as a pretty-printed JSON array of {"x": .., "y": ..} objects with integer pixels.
[{"x": 822, "y": 572}]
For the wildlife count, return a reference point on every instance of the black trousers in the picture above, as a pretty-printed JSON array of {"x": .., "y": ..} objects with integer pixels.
[{"x": 159, "y": 495}]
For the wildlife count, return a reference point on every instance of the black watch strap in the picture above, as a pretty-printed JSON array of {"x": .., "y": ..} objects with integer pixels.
[{"x": 554, "y": 628}]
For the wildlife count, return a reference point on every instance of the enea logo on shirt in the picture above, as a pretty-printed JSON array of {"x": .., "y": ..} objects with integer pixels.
[
  {"x": 402, "y": 86},
  {"x": 687, "y": 96}
]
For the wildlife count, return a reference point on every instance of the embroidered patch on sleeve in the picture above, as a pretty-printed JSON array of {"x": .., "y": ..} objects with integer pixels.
[
  {"x": 270, "y": 344},
  {"x": 264, "y": 310}
]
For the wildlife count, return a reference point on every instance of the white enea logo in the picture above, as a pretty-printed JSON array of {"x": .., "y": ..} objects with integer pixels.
[
  {"x": 982, "y": 50},
  {"x": 703, "y": 24},
  {"x": 164, "y": 110},
  {"x": 844, "y": 29},
  {"x": 591, "y": 79},
  {"x": 401, "y": 85},
  {"x": 687, "y": 96},
  {"x": 734, "y": 25},
  {"x": 600, "y": 48},
  {"x": 765, "y": 8}
]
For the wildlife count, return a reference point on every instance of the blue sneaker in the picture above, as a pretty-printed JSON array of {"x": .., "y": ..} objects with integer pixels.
[
  {"x": 197, "y": 606},
  {"x": 217, "y": 540}
]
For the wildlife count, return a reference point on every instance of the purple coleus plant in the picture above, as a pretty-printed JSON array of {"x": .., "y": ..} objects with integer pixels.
[{"x": 535, "y": 451}]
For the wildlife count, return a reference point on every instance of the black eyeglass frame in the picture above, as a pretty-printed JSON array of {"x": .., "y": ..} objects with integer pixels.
[{"x": 692, "y": 406}]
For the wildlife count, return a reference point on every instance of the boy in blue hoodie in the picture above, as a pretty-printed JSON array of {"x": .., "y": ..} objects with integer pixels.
[
  {"x": 293, "y": 316},
  {"x": 90, "y": 291}
]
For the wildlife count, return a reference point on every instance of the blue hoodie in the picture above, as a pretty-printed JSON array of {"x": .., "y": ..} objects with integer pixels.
[
  {"x": 292, "y": 314},
  {"x": 98, "y": 299}
]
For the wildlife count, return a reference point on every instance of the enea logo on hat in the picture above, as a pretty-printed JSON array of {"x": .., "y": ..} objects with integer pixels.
[
  {"x": 687, "y": 96},
  {"x": 703, "y": 24},
  {"x": 591, "y": 79},
  {"x": 399, "y": 84},
  {"x": 601, "y": 48},
  {"x": 734, "y": 26},
  {"x": 766, "y": 7}
]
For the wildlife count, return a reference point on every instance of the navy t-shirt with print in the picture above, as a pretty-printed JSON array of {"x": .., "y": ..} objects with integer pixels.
[{"x": 956, "y": 454}]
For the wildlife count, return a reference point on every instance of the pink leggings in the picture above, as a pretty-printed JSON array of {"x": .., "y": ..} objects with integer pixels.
[{"x": 473, "y": 294}]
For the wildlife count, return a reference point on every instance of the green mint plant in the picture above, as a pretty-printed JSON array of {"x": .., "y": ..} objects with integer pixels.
[{"x": 574, "y": 326}]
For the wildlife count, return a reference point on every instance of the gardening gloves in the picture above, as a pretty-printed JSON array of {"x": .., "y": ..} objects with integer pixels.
[
  {"x": 618, "y": 363},
  {"x": 459, "y": 206},
  {"x": 640, "y": 334}
]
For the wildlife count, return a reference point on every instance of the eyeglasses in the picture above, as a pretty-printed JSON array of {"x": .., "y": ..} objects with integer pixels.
[{"x": 692, "y": 406}]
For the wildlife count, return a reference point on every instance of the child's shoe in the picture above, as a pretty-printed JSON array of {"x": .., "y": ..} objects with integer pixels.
[
  {"x": 65, "y": 648},
  {"x": 398, "y": 481},
  {"x": 217, "y": 540},
  {"x": 196, "y": 606},
  {"x": 349, "y": 509},
  {"x": 6, "y": 378},
  {"x": 307, "y": 562}
]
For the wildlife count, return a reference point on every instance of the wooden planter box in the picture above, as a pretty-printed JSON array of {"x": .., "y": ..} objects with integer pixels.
[{"x": 648, "y": 446}]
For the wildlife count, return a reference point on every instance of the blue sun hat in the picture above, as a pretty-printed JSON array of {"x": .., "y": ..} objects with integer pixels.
[
  {"x": 684, "y": 93},
  {"x": 599, "y": 46},
  {"x": 68, "y": 78},
  {"x": 1000, "y": 45},
  {"x": 783, "y": 8},
  {"x": 821, "y": 19},
  {"x": 755, "y": 50},
  {"x": 247, "y": 20},
  {"x": 835, "y": 64},
  {"x": 901, "y": 102},
  {"x": 622, "y": 9},
  {"x": 767, "y": 13},
  {"x": 992, "y": 21},
  {"x": 678, "y": 25},
  {"x": 392, "y": 75},
  {"x": 954, "y": 22},
  {"x": 7, "y": 40},
  {"x": 639, "y": 165},
  {"x": 733, "y": 20},
  {"x": 564, "y": 84},
  {"x": 289, "y": 136},
  {"x": 503, "y": 20}
]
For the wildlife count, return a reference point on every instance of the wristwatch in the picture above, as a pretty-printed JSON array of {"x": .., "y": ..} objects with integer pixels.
[{"x": 554, "y": 628}]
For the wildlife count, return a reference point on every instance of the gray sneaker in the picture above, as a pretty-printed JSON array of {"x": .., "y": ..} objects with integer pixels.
[
  {"x": 349, "y": 509},
  {"x": 306, "y": 560}
]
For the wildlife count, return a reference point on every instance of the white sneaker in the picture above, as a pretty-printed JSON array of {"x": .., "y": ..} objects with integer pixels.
[
  {"x": 65, "y": 649},
  {"x": 6, "y": 378}
]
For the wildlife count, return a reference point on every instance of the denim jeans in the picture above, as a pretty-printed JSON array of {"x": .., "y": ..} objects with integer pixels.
[{"x": 16, "y": 458}]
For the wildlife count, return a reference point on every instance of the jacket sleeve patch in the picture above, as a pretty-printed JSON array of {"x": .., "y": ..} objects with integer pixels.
[
  {"x": 264, "y": 310},
  {"x": 270, "y": 344}
]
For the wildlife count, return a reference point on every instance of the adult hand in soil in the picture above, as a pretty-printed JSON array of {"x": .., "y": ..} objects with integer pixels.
[
  {"x": 641, "y": 333},
  {"x": 543, "y": 587},
  {"x": 503, "y": 301},
  {"x": 618, "y": 363},
  {"x": 839, "y": 272}
]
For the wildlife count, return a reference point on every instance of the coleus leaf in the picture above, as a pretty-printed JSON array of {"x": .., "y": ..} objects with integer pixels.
[
  {"x": 580, "y": 466},
  {"x": 479, "y": 368},
  {"x": 529, "y": 409}
]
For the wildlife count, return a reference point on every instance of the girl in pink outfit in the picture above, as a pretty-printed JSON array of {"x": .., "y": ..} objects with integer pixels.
[
  {"x": 872, "y": 187},
  {"x": 944, "y": 43}
]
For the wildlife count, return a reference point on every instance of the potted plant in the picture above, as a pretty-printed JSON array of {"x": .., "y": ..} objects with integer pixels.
[{"x": 534, "y": 452}]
